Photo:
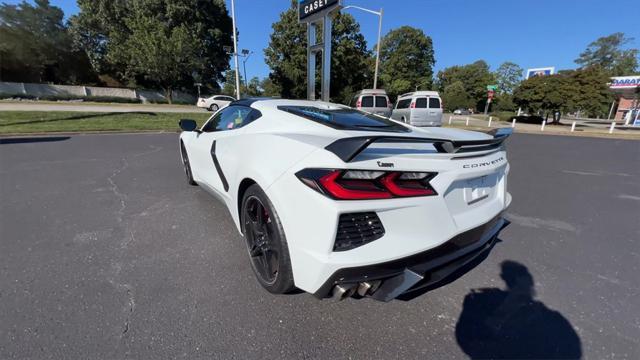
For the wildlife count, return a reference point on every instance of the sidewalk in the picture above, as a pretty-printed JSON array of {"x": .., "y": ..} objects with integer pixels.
[{"x": 479, "y": 123}]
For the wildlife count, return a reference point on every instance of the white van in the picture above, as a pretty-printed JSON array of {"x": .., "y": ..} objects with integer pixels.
[
  {"x": 372, "y": 101},
  {"x": 420, "y": 108}
]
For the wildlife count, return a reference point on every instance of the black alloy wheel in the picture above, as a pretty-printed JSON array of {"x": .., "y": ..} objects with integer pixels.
[
  {"x": 259, "y": 234},
  {"x": 186, "y": 165},
  {"x": 266, "y": 242}
]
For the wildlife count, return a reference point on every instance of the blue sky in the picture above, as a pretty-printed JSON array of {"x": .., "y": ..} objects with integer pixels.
[{"x": 530, "y": 33}]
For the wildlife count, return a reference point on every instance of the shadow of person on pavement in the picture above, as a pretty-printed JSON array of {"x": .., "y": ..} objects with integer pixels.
[{"x": 511, "y": 324}]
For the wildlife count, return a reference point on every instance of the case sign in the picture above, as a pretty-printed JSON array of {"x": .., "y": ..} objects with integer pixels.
[{"x": 308, "y": 8}]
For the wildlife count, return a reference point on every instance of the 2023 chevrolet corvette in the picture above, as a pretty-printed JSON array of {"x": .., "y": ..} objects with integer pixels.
[{"x": 335, "y": 201}]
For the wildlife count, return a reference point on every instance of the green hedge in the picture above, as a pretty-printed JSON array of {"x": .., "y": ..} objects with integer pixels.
[
  {"x": 175, "y": 102},
  {"x": 503, "y": 115}
]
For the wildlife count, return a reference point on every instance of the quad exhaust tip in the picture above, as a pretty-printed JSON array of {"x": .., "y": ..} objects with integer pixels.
[{"x": 343, "y": 291}]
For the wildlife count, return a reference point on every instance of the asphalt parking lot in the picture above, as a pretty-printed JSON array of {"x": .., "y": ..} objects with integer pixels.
[{"x": 107, "y": 253}]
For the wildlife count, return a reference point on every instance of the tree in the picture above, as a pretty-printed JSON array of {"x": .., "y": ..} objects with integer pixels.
[
  {"x": 583, "y": 90},
  {"x": 253, "y": 87},
  {"x": 229, "y": 84},
  {"x": 455, "y": 97},
  {"x": 608, "y": 53},
  {"x": 508, "y": 76},
  {"x": 269, "y": 88},
  {"x": 287, "y": 56},
  {"x": 546, "y": 94},
  {"x": 475, "y": 77},
  {"x": 36, "y": 47},
  {"x": 592, "y": 96},
  {"x": 406, "y": 61},
  {"x": 155, "y": 43}
]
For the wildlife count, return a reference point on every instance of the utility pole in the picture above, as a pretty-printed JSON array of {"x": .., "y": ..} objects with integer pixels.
[
  {"x": 379, "y": 13},
  {"x": 235, "y": 48}
]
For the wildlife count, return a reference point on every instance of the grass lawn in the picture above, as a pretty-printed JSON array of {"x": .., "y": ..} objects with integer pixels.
[{"x": 70, "y": 121}]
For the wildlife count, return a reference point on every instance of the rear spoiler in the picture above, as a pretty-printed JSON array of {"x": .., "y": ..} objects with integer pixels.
[{"x": 348, "y": 148}]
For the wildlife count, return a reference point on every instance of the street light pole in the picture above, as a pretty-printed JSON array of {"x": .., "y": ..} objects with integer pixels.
[
  {"x": 375, "y": 76},
  {"x": 245, "y": 53},
  {"x": 235, "y": 48}
]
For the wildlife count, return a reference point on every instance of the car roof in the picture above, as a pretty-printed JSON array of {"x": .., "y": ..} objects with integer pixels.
[
  {"x": 372, "y": 92},
  {"x": 273, "y": 103},
  {"x": 420, "y": 93}
]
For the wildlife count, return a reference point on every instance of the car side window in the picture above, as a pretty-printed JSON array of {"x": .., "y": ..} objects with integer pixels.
[
  {"x": 421, "y": 103},
  {"x": 210, "y": 125},
  {"x": 232, "y": 117}
]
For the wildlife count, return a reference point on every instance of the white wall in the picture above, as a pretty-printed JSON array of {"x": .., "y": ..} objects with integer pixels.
[{"x": 12, "y": 89}]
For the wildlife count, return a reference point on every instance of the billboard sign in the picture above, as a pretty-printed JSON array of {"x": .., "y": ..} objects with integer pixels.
[
  {"x": 311, "y": 10},
  {"x": 540, "y": 72},
  {"x": 625, "y": 82}
]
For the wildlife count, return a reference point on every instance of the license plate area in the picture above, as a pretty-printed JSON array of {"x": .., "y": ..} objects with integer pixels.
[{"x": 478, "y": 189}]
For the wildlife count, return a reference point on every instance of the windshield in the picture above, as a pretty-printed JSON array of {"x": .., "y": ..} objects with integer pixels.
[{"x": 345, "y": 119}]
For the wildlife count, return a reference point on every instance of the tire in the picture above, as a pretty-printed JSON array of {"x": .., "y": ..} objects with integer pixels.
[
  {"x": 187, "y": 165},
  {"x": 213, "y": 107},
  {"x": 266, "y": 242}
]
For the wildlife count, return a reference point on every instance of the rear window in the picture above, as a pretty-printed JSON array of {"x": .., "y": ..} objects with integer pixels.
[
  {"x": 403, "y": 104},
  {"x": 366, "y": 101},
  {"x": 345, "y": 119},
  {"x": 421, "y": 103},
  {"x": 434, "y": 103},
  {"x": 381, "y": 101}
]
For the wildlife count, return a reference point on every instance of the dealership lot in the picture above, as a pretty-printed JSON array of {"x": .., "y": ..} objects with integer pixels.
[{"x": 107, "y": 253}]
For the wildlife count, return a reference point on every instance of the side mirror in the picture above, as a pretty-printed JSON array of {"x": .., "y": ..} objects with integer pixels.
[{"x": 187, "y": 125}]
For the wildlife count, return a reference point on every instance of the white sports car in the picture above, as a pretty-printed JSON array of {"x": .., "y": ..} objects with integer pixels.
[{"x": 335, "y": 201}]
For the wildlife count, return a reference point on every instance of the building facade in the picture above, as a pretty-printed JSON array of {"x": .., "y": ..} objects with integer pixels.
[{"x": 627, "y": 90}]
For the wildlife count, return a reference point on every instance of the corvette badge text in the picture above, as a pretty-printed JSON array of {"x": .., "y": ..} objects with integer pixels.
[{"x": 483, "y": 164}]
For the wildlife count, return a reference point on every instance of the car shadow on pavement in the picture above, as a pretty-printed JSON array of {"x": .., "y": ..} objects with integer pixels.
[
  {"x": 26, "y": 140},
  {"x": 512, "y": 324}
]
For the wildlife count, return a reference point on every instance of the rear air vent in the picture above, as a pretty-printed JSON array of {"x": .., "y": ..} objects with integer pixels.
[{"x": 357, "y": 229}]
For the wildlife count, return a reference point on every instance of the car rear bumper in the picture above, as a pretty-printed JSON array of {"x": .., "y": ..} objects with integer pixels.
[
  {"x": 412, "y": 225},
  {"x": 423, "y": 269},
  {"x": 426, "y": 123}
]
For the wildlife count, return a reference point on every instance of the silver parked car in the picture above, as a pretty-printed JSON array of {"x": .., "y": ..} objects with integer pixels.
[
  {"x": 420, "y": 108},
  {"x": 372, "y": 101}
]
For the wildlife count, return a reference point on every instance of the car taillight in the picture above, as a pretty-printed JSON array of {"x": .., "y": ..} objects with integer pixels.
[
  {"x": 413, "y": 104},
  {"x": 407, "y": 184},
  {"x": 367, "y": 184},
  {"x": 358, "y": 104}
]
